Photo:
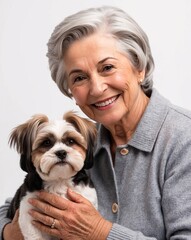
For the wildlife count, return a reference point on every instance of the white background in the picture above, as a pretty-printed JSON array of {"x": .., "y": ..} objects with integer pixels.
[{"x": 25, "y": 84}]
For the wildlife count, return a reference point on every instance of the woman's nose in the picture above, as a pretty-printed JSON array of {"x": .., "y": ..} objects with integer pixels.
[{"x": 97, "y": 86}]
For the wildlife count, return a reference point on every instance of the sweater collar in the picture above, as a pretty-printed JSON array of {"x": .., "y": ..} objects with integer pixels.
[{"x": 148, "y": 128}]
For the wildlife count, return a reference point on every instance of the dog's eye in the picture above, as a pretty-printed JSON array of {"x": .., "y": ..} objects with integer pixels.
[
  {"x": 70, "y": 141},
  {"x": 46, "y": 143}
]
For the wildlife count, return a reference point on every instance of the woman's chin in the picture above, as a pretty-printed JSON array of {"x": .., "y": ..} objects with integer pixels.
[{"x": 109, "y": 119}]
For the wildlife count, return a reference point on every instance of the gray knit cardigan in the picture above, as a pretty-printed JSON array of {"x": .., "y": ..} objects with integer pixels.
[{"x": 147, "y": 193}]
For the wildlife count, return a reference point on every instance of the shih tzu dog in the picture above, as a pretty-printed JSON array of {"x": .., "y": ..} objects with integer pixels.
[{"x": 55, "y": 155}]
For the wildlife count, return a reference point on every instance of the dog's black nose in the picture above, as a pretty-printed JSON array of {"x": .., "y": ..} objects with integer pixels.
[{"x": 61, "y": 154}]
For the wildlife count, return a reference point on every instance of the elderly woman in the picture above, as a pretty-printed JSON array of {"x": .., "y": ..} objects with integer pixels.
[{"x": 142, "y": 172}]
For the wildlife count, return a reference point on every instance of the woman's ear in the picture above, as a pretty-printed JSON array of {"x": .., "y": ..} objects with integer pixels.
[{"x": 141, "y": 76}]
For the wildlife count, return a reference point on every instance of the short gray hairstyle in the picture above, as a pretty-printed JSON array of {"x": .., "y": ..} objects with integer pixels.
[{"x": 130, "y": 37}]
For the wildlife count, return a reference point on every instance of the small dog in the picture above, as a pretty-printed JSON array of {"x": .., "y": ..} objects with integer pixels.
[{"x": 55, "y": 155}]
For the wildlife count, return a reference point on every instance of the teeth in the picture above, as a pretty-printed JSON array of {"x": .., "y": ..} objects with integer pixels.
[{"x": 103, "y": 104}]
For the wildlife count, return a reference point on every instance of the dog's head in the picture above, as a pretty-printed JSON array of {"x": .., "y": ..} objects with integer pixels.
[{"x": 55, "y": 149}]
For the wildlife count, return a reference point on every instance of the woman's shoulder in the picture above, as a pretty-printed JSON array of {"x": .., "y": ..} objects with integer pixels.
[
  {"x": 177, "y": 125},
  {"x": 180, "y": 113},
  {"x": 170, "y": 121},
  {"x": 175, "y": 115}
]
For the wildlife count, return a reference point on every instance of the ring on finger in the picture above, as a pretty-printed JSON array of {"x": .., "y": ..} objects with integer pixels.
[{"x": 53, "y": 223}]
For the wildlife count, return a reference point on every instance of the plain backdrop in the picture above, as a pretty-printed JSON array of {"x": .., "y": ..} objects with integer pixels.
[{"x": 26, "y": 87}]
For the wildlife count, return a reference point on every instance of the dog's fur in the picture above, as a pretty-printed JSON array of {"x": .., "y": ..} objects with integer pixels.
[{"x": 55, "y": 155}]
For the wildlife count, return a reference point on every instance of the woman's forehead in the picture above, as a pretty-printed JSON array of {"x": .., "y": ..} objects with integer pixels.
[{"x": 95, "y": 48}]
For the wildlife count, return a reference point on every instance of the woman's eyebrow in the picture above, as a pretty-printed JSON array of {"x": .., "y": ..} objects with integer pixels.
[
  {"x": 100, "y": 62},
  {"x": 105, "y": 59},
  {"x": 75, "y": 71}
]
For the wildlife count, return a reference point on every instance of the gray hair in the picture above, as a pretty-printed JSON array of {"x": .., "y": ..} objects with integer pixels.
[{"x": 131, "y": 39}]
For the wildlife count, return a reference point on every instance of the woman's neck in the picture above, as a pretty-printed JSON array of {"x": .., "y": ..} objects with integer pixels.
[{"x": 123, "y": 130}]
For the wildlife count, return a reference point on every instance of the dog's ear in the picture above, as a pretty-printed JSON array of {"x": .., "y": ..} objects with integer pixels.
[
  {"x": 88, "y": 130},
  {"x": 90, "y": 151},
  {"x": 22, "y": 138}
]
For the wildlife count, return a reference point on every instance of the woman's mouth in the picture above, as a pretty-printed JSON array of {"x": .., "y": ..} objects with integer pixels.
[{"x": 106, "y": 102}]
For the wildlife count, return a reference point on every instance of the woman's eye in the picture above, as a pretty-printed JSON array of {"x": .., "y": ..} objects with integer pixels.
[
  {"x": 107, "y": 68},
  {"x": 79, "y": 78}
]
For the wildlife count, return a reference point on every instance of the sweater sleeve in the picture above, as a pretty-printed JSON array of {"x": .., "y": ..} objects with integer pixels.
[
  {"x": 3, "y": 219},
  {"x": 119, "y": 232}
]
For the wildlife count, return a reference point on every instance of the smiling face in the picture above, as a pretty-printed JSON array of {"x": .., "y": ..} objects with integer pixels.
[{"x": 102, "y": 79}]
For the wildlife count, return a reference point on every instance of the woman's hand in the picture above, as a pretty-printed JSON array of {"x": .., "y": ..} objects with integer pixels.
[
  {"x": 12, "y": 229},
  {"x": 70, "y": 219}
]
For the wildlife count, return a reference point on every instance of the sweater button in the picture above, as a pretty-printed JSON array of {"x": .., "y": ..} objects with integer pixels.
[
  {"x": 124, "y": 151},
  {"x": 114, "y": 207}
]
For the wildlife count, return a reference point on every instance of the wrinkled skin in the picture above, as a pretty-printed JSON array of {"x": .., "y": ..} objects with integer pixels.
[{"x": 74, "y": 219}]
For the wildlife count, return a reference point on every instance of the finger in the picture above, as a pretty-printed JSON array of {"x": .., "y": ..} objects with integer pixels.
[
  {"x": 44, "y": 219},
  {"x": 76, "y": 197},
  {"x": 16, "y": 216},
  {"x": 47, "y": 229},
  {"x": 53, "y": 199},
  {"x": 45, "y": 208}
]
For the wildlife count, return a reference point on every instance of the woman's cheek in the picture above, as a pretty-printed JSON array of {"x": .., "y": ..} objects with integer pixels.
[{"x": 79, "y": 95}]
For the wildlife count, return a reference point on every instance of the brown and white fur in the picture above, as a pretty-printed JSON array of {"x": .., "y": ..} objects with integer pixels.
[{"x": 55, "y": 155}]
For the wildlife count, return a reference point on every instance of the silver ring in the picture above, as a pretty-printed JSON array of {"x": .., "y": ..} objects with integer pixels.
[{"x": 53, "y": 223}]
